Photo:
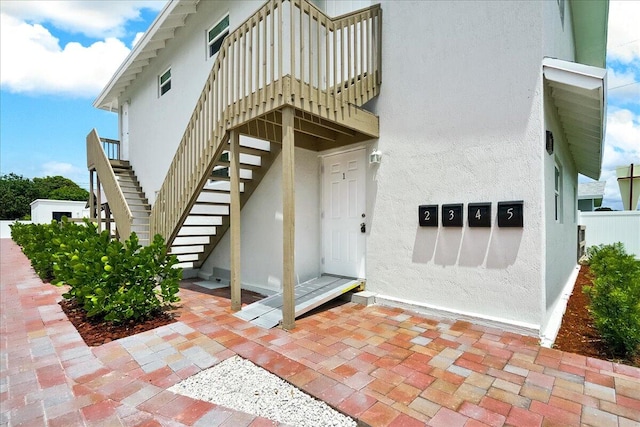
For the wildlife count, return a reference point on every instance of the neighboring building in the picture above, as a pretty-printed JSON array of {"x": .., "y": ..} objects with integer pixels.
[
  {"x": 45, "y": 210},
  {"x": 330, "y": 133},
  {"x": 590, "y": 195}
]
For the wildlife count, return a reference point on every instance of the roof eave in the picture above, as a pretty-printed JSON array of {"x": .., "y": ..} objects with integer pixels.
[
  {"x": 579, "y": 94},
  {"x": 153, "y": 39},
  {"x": 590, "y": 23}
]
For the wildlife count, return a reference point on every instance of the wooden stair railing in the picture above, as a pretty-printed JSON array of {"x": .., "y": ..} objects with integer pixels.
[
  {"x": 287, "y": 53},
  {"x": 97, "y": 160}
]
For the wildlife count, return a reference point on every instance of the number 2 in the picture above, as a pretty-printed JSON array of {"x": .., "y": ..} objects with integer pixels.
[
  {"x": 427, "y": 215},
  {"x": 510, "y": 213},
  {"x": 451, "y": 215}
]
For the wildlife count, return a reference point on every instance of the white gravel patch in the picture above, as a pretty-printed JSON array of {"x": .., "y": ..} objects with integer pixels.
[{"x": 238, "y": 384}]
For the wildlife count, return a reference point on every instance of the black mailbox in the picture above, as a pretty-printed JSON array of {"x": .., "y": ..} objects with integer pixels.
[
  {"x": 428, "y": 215},
  {"x": 479, "y": 214},
  {"x": 452, "y": 215},
  {"x": 510, "y": 214}
]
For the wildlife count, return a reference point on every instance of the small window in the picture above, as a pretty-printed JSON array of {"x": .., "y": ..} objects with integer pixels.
[
  {"x": 58, "y": 215},
  {"x": 558, "y": 193},
  {"x": 216, "y": 35},
  {"x": 165, "y": 82}
]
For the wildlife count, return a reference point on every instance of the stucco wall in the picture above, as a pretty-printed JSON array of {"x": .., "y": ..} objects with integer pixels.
[
  {"x": 157, "y": 123},
  {"x": 261, "y": 225},
  {"x": 560, "y": 236},
  {"x": 42, "y": 210},
  {"x": 460, "y": 123}
]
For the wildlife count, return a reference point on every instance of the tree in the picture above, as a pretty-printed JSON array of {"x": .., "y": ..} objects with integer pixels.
[{"x": 17, "y": 193}]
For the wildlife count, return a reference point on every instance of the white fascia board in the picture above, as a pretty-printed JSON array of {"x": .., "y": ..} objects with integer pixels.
[{"x": 102, "y": 101}]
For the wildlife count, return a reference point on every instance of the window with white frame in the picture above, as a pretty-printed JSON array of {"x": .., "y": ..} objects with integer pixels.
[
  {"x": 164, "y": 82},
  {"x": 558, "y": 192},
  {"x": 216, "y": 35}
]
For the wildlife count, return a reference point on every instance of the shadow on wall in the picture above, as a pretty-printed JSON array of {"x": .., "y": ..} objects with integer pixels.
[{"x": 467, "y": 247}]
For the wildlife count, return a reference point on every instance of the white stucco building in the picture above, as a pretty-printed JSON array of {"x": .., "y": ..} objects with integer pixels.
[
  {"x": 45, "y": 210},
  {"x": 458, "y": 107}
]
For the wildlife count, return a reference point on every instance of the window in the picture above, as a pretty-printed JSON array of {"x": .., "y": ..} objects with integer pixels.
[
  {"x": 216, "y": 35},
  {"x": 558, "y": 193},
  {"x": 58, "y": 215},
  {"x": 165, "y": 82}
]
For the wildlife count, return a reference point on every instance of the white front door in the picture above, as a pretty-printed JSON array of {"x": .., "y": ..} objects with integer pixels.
[{"x": 344, "y": 213}]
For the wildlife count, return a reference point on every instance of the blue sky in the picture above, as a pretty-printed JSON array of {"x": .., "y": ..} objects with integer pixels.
[{"x": 56, "y": 56}]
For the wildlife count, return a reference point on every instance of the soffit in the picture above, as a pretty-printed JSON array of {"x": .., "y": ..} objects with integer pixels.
[
  {"x": 590, "y": 21},
  {"x": 579, "y": 94},
  {"x": 173, "y": 16}
]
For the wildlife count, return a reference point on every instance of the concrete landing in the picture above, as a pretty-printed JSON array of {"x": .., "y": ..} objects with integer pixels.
[{"x": 267, "y": 313}]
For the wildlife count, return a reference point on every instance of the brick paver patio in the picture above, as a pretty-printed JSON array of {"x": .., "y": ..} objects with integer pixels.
[{"x": 385, "y": 367}]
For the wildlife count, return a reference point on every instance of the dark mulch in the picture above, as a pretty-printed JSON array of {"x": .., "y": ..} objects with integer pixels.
[
  {"x": 95, "y": 331},
  {"x": 578, "y": 333}
]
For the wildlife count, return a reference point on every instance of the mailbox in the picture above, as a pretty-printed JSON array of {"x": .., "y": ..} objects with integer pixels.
[
  {"x": 479, "y": 214},
  {"x": 428, "y": 215},
  {"x": 510, "y": 214},
  {"x": 452, "y": 215}
]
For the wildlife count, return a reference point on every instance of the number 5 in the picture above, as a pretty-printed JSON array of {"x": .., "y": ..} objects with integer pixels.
[{"x": 510, "y": 213}]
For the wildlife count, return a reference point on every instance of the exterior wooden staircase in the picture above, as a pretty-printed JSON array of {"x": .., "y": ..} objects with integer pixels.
[
  {"x": 288, "y": 71},
  {"x": 135, "y": 198}
]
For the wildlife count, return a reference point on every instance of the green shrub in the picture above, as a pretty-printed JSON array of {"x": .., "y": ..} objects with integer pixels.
[
  {"x": 615, "y": 297},
  {"x": 109, "y": 279}
]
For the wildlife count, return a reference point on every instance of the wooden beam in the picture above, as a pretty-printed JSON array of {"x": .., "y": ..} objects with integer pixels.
[
  {"x": 288, "y": 219},
  {"x": 234, "y": 210},
  {"x": 92, "y": 200}
]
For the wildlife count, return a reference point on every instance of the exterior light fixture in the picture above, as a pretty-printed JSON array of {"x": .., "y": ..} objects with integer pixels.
[{"x": 375, "y": 157}]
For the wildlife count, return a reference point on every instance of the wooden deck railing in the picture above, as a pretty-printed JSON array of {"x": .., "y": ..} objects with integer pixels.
[
  {"x": 111, "y": 148},
  {"x": 97, "y": 160},
  {"x": 288, "y": 52}
]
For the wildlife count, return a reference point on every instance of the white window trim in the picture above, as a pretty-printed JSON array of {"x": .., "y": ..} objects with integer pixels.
[
  {"x": 222, "y": 34},
  {"x": 161, "y": 85},
  {"x": 557, "y": 192}
]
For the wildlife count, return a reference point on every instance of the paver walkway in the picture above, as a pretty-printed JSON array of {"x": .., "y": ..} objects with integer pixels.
[{"x": 385, "y": 367}]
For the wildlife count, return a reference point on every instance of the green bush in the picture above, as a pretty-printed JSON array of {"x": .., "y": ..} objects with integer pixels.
[
  {"x": 615, "y": 297},
  {"x": 109, "y": 279}
]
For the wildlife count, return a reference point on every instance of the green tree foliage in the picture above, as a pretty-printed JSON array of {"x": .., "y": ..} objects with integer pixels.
[
  {"x": 17, "y": 193},
  {"x": 615, "y": 297}
]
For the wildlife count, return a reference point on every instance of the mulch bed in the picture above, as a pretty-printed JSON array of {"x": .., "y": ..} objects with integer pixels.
[
  {"x": 578, "y": 333},
  {"x": 96, "y": 332}
]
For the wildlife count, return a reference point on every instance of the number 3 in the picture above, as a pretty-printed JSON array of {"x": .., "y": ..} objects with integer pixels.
[{"x": 451, "y": 215}]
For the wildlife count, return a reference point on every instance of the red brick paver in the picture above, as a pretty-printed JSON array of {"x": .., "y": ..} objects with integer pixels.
[{"x": 379, "y": 365}]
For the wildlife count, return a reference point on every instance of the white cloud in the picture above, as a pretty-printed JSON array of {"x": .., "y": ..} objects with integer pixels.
[
  {"x": 99, "y": 19},
  {"x": 136, "y": 39},
  {"x": 76, "y": 174},
  {"x": 623, "y": 86},
  {"x": 33, "y": 61},
  {"x": 624, "y": 31},
  {"x": 622, "y": 148}
]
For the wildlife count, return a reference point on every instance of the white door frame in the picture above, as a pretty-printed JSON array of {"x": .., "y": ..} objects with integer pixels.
[{"x": 359, "y": 270}]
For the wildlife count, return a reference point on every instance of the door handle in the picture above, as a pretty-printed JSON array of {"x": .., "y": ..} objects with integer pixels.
[{"x": 363, "y": 228}]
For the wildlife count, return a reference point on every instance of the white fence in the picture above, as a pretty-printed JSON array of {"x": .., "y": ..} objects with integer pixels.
[
  {"x": 5, "y": 231},
  {"x": 609, "y": 227}
]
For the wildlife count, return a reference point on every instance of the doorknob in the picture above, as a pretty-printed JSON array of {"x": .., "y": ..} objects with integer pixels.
[{"x": 363, "y": 228}]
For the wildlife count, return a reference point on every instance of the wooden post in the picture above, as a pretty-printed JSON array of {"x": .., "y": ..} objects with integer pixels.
[
  {"x": 234, "y": 213},
  {"x": 99, "y": 206},
  {"x": 288, "y": 219},
  {"x": 92, "y": 197}
]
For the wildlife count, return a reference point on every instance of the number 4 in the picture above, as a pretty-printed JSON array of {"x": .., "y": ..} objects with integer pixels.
[{"x": 478, "y": 214}]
